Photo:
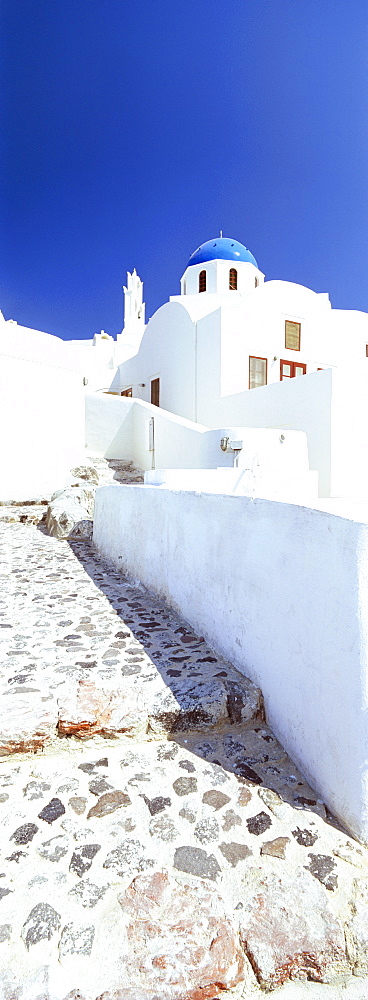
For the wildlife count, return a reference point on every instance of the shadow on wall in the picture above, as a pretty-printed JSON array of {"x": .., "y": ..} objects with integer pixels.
[{"x": 195, "y": 698}]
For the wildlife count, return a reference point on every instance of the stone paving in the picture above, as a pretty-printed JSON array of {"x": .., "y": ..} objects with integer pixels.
[{"x": 157, "y": 843}]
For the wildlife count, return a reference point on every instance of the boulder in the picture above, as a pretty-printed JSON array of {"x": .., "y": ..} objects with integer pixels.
[
  {"x": 70, "y": 512},
  {"x": 27, "y": 723},
  {"x": 197, "y": 705},
  {"x": 289, "y": 930},
  {"x": 88, "y": 710},
  {"x": 87, "y": 472},
  {"x": 358, "y": 928},
  {"x": 180, "y": 940}
]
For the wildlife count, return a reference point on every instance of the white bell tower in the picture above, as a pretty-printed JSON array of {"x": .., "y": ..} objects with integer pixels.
[
  {"x": 134, "y": 307},
  {"x": 128, "y": 341}
]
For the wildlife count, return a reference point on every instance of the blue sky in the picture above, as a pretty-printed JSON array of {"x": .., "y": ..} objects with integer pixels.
[{"x": 134, "y": 131}]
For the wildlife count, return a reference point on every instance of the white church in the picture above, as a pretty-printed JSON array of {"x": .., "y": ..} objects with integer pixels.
[
  {"x": 200, "y": 359},
  {"x": 228, "y": 331}
]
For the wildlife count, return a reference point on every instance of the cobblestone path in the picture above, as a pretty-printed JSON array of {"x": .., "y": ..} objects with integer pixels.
[{"x": 157, "y": 843}]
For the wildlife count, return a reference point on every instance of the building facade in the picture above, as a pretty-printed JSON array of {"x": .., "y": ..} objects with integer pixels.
[{"x": 229, "y": 331}]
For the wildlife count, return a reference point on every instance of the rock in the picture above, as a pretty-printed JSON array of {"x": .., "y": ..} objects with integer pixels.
[
  {"x": 36, "y": 789},
  {"x": 244, "y": 796},
  {"x": 284, "y": 940},
  {"x": 16, "y": 856},
  {"x": 163, "y": 828},
  {"x": 68, "y": 509},
  {"x": 358, "y": 928},
  {"x": 78, "y": 804},
  {"x": 87, "y": 893},
  {"x": 23, "y": 834},
  {"x": 215, "y": 799},
  {"x": 82, "y": 858},
  {"x": 187, "y": 765},
  {"x": 275, "y": 848},
  {"x": 185, "y": 786},
  {"x": 207, "y": 829},
  {"x": 88, "y": 472},
  {"x": 27, "y": 723},
  {"x": 230, "y": 819},
  {"x": 244, "y": 700},
  {"x": 125, "y": 858},
  {"x": 54, "y": 849},
  {"x": 156, "y": 805},
  {"x": 322, "y": 866},
  {"x": 76, "y": 940},
  {"x": 235, "y": 852},
  {"x": 88, "y": 710},
  {"x": 282, "y": 810},
  {"x": 99, "y": 785},
  {"x": 305, "y": 837},
  {"x": 41, "y": 923},
  {"x": 195, "y": 861},
  {"x": 52, "y": 811},
  {"x": 190, "y": 706},
  {"x": 89, "y": 767},
  {"x": 189, "y": 814},
  {"x": 108, "y": 803},
  {"x": 180, "y": 940},
  {"x": 245, "y": 771},
  {"x": 74, "y": 995},
  {"x": 259, "y": 823}
]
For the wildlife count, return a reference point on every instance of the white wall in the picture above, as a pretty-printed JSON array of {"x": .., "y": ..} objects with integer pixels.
[
  {"x": 42, "y": 422},
  {"x": 119, "y": 427},
  {"x": 281, "y": 591},
  {"x": 349, "y": 439},
  {"x": 303, "y": 404},
  {"x": 166, "y": 352},
  {"x": 291, "y": 486},
  {"x": 109, "y": 426}
]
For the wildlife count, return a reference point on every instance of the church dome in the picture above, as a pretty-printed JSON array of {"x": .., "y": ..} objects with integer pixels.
[{"x": 221, "y": 248}]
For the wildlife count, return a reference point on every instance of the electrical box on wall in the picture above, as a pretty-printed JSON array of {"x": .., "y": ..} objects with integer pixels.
[{"x": 227, "y": 445}]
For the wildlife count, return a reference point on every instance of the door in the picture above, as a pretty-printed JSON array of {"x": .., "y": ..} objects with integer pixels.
[{"x": 155, "y": 391}]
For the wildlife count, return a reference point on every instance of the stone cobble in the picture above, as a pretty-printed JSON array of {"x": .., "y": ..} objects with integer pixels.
[{"x": 157, "y": 841}]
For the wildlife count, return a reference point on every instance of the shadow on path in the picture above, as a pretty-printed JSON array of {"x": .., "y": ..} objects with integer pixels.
[{"x": 237, "y": 740}]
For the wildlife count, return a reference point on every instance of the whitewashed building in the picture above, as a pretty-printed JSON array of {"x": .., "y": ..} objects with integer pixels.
[{"x": 229, "y": 331}]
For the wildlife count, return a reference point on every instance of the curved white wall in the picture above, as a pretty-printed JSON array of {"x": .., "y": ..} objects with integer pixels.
[{"x": 281, "y": 591}]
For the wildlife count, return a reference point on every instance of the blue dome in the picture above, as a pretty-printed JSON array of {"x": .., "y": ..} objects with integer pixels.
[{"x": 221, "y": 248}]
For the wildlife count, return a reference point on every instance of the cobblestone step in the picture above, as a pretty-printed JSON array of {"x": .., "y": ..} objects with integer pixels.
[{"x": 189, "y": 859}]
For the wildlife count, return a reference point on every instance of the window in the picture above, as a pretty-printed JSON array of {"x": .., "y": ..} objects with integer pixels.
[
  {"x": 366, "y": 350},
  {"x": 202, "y": 281},
  {"x": 127, "y": 392},
  {"x": 289, "y": 369},
  {"x": 155, "y": 391},
  {"x": 292, "y": 335},
  {"x": 184, "y": 288},
  {"x": 233, "y": 278},
  {"x": 256, "y": 282},
  {"x": 257, "y": 372}
]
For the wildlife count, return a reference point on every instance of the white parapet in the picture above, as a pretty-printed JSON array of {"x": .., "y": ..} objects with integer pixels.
[
  {"x": 282, "y": 592},
  {"x": 300, "y": 486}
]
